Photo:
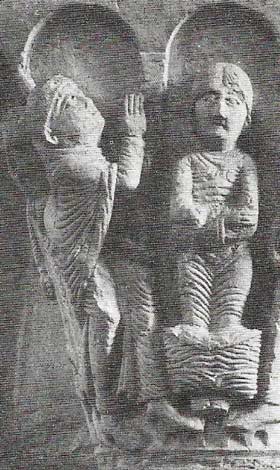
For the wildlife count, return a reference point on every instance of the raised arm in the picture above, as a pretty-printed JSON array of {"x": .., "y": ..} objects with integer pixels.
[{"x": 133, "y": 127}]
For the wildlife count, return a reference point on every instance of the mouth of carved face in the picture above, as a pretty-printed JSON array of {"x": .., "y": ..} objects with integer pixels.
[{"x": 220, "y": 122}]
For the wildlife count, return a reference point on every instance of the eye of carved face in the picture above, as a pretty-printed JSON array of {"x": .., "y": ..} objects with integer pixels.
[{"x": 212, "y": 98}]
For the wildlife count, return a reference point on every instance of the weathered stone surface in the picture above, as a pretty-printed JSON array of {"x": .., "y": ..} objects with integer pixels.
[
  {"x": 93, "y": 46},
  {"x": 153, "y": 23},
  {"x": 187, "y": 460},
  {"x": 45, "y": 417},
  {"x": 153, "y": 63},
  {"x": 18, "y": 18}
]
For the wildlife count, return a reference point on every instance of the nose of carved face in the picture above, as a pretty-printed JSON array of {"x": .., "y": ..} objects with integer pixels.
[{"x": 221, "y": 111}]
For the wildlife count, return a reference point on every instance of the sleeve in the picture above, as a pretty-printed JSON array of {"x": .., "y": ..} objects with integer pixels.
[
  {"x": 130, "y": 162},
  {"x": 241, "y": 217}
]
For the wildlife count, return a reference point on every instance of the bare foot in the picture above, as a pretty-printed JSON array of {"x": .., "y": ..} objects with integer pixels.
[
  {"x": 165, "y": 412},
  {"x": 200, "y": 405},
  {"x": 123, "y": 434},
  {"x": 219, "y": 407},
  {"x": 254, "y": 418}
]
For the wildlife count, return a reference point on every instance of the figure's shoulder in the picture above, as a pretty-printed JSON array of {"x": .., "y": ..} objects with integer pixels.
[{"x": 79, "y": 165}]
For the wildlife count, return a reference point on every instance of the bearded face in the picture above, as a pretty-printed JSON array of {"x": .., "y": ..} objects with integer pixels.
[{"x": 72, "y": 118}]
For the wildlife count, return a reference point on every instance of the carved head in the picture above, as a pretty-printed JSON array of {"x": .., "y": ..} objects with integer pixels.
[
  {"x": 223, "y": 99},
  {"x": 66, "y": 116}
]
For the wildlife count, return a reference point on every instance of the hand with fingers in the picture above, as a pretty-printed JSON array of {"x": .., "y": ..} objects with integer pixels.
[{"x": 133, "y": 120}]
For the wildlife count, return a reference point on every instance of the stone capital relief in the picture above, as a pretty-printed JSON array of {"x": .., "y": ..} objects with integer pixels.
[{"x": 155, "y": 319}]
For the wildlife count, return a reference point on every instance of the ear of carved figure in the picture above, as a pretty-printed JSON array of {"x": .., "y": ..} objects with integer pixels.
[
  {"x": 68, "y": 118},
  {"x": 223, "y": 100}
]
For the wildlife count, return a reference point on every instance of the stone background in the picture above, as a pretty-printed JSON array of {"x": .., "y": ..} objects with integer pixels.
[{"x": 40, "y": 414}]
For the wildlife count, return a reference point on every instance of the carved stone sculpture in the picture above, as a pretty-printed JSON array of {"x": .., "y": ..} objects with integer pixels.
[
  {"x": 211, "y": 357},
  {"x": 154, "y": 312},
  {"x": 112, "y": 298},
  {"x": 68, "y": 225}
]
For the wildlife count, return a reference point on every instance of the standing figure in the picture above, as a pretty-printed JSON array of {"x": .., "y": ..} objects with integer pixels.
[
  {"x": 213, "y": 213},
  {"x": 69, "y": 222},
  {"x": 214, "y": 203}
]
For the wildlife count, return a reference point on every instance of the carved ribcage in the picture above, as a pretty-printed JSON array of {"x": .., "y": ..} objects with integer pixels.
[
  {"x": 82, "y": 215},
  {"x": 214, "y": 179},
  {"x": 226, "y": 361}
]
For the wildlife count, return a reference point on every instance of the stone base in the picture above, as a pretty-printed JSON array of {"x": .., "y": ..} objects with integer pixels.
[{"x": 187, "y": 460}]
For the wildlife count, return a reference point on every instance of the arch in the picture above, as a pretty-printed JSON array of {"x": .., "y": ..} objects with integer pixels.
[
  {"x": 226, "y": 32},
  {"x": 92, "y": 45},
  {"x": 229, "y": 32}
]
